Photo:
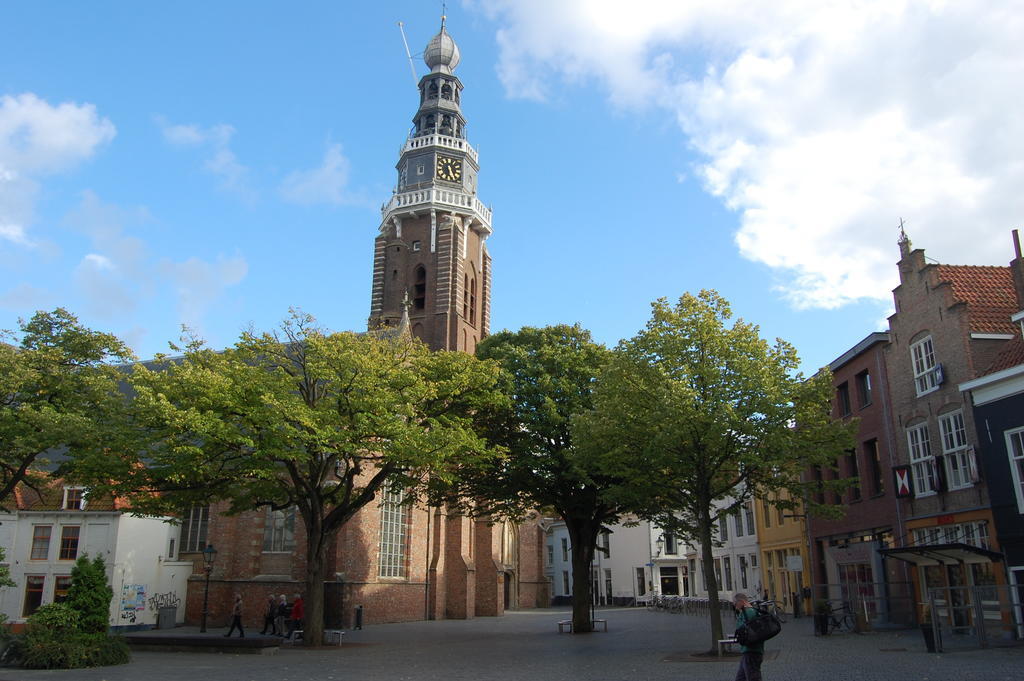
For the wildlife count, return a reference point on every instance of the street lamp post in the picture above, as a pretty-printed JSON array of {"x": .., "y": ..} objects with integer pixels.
[{"x": 209, "y": 553}]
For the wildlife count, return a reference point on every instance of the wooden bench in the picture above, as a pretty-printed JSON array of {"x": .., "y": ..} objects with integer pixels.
[
  {"x": 725, "y": 644},
  {"x": 564, "y": 625}
]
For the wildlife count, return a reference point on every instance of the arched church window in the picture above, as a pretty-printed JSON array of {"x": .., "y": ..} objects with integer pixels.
[
  {"x": 472, "y": 300},
  {"x": 446, "y": 125},
  {"x": 446, "y": 91},
  {"x": 430, "y": 122},
  {"x": 465, "y": 297},
  {"x": 433, "y": 89},
  {"x": 419, "y": 289}
]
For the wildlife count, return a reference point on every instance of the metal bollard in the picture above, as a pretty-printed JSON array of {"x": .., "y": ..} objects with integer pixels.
[{"x": 359, "y": 617}]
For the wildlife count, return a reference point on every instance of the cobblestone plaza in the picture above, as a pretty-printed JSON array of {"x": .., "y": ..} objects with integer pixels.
[{"x": 526, "y": 646}]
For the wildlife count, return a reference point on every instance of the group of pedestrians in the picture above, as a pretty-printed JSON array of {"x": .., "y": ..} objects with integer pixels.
[
  {"x": 280, "y": 614},
  {"x": 280, "y": 618}
]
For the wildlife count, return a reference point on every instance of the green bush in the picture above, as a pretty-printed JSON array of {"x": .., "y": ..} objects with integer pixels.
[
  {"x": 72, "y": 634},
  {"x": 90, "y": 594},
  {"x": 59, "y": 618},
  {"x": 45, "y": 650}
]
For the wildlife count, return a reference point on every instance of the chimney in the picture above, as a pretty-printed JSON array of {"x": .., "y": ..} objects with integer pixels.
[{"x": 1017, "y": 269}]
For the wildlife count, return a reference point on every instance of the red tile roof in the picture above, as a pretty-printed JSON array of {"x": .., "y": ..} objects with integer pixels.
[
  {"x": 988, "y": 292},
  {"x": 1011, "y": 355}
]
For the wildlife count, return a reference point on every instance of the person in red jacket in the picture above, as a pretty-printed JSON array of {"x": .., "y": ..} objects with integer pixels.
[{"x": 298, "y": 613}]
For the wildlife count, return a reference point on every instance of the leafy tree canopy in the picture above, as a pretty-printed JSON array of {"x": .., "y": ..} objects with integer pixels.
[
  {"x": 300, "y": 419},
  {"x": 548, "y": 378},
  {"x": 694, "y": 411},
  {"x": 58, "y": 389}
]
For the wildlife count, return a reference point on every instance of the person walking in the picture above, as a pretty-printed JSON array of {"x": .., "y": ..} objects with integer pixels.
[
  {"x": 298, "y": 613},
  {"x": 236, "y": 618},
  {"x": 752, "y": 655},
  {"x": 282, "y": 613},
  {"x": 269, "y": 616}
]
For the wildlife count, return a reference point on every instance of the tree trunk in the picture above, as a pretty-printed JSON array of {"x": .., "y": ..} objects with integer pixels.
[
  {"x": 316, "y": 566},
  {"x": 582, "y": 536},
  {"x": 704, "y": 530}
]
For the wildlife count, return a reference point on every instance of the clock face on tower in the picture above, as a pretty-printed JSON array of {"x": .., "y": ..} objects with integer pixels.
[{"x": 449, "y": 169}]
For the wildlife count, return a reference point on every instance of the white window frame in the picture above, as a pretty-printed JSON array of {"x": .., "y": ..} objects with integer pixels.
[
  {"x": 921, "y": 460},
  {"x": 955, "y": 450},
  {"x": 64, "y": 501},
  {"x": 1016, "y": 460},
  {"x": 922, "y": 357}
]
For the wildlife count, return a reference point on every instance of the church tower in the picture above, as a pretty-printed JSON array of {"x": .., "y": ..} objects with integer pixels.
[{"x": 431, "y": 250}]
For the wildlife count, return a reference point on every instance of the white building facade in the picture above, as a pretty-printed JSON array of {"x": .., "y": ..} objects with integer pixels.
[{"x": 44, "y": 537}]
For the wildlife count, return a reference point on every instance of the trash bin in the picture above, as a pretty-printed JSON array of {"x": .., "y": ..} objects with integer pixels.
[{"x": 165, "y": 617}]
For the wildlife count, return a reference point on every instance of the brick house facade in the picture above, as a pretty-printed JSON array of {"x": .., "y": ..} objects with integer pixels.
[
  {"x": 845, "y": 550},
  {"x": 950, "y": 324}
]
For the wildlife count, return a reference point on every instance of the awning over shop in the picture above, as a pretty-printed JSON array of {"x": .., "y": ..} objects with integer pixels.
[{"x": 943, "y": 554}]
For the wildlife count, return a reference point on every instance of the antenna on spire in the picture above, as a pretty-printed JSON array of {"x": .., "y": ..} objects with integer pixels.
[
  {"x": 444, "y": 12},
  {"x": 408, "y": 54}
]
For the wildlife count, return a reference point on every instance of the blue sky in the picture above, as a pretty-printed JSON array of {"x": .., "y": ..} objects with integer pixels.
[{"x": 213, "y": 164}]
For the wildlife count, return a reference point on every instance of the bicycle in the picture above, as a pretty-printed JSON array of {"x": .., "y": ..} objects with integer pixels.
[
  {"x": 840, "y": 618},
  {"x": 771, "y": 607}
]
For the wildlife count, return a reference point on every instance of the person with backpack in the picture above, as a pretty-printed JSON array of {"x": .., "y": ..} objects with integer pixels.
[{"x": 752, "y": 653}]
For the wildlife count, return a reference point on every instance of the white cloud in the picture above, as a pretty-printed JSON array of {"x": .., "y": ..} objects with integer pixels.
[
  {"x": 38, "y": 139},
  {"x": 198, "y": 284},
  {"x": 222, "y": 162},
  {"x": 819, "y": 123},
  {"x": 325, "y": 184},
  {"x": 120, "y": 272}
]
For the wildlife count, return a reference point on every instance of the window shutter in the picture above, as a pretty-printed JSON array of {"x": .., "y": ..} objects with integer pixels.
[{"x": 972, "y": 465}]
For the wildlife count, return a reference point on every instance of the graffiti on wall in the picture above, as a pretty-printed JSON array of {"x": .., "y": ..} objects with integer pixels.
[
  {"x": 167, "y": 600},
  {"x": 133, "y": 600}
]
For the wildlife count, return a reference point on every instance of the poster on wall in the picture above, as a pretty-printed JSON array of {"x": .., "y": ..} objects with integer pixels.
[{"x": 133, "y": 600}]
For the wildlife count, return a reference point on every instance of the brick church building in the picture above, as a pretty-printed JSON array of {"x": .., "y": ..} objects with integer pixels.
[{"x": 432, "y": 278}]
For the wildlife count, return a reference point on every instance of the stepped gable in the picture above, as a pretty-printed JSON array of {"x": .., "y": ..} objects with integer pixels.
[{"x": 988, "y": 292}]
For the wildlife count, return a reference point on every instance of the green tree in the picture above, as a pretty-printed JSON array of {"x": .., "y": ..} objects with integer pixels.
[
  {"x": 5, "y": 570},
  {"x": 704, "y": 412},
  {"x": 301, "y": 419},
  {"x": 58, "y": 390},
  {"x": 548, "y": 377},
  {"x": 90, "y": 594}
]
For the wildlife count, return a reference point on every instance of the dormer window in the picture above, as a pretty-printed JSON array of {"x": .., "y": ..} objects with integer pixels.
[
  {"x": 927, "y": 374},
  {"x": 74, "y": 499}
]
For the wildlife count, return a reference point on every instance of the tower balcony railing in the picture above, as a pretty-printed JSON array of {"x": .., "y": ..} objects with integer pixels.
[
  {"x": 438, "y": 140},
  {"x": 460, "y": 201}
]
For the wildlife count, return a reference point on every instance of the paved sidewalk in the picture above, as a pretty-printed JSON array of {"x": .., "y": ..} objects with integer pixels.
[{"x": 525, "y": 646}]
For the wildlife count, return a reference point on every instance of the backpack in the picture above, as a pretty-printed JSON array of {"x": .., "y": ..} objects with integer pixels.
[{"x": 760, "y": 628}]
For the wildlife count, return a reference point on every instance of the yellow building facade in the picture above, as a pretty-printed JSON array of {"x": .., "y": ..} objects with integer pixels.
[{"x": 785, "y": 563}]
